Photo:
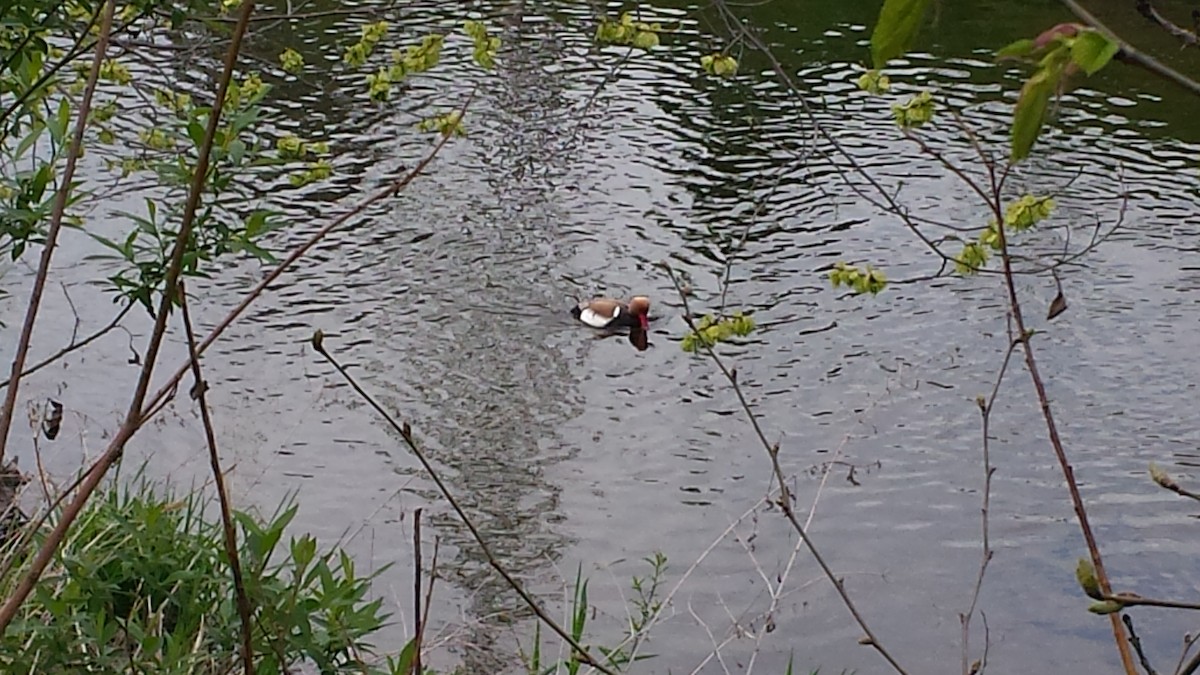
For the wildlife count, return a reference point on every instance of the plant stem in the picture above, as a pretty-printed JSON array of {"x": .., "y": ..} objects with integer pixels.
[
  {"x": 405, "y": 431},
  {"x": 73, "y": 346},
  {"x": 416, "y": 663},
  {"x": 56, "y": 217},
  {"x": 985, "y": 412},
  {"x": 785, "y": 493},
  {"x": 235, "y": 566},
  {"x": 134, "y": 417},
  {"x": 1039, "y": 386},
  {"x": 1131, "y": 54}
]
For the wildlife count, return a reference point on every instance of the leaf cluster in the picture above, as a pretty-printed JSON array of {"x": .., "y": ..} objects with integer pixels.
[
  {"x": 711, "y": 330},
  {"x": 1019, "y": 216},
  {"x": 485, "y": 46},
  {"x": 1057, "y": 53},
  {"x": 721, "y": 65},
  {"x": 447, "y": 124},
  {"x": 866, "y": 280},
  {"x": 357, "y": 53},
  {"x": 915, "y": 112},
  {"x": 628, "y": 32}
]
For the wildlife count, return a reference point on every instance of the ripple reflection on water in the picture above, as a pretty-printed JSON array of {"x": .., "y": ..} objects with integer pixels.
[{"x": 447, "y": 302}]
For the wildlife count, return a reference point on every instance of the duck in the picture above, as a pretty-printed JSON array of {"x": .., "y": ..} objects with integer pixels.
[{"x": 609, "y": 313}]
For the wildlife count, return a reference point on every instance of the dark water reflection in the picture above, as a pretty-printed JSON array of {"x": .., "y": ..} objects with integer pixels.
[{"x": 450, "y": 302}]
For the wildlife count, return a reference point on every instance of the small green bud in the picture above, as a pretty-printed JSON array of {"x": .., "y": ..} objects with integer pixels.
[
  {"x": 1159, "y": 476},
  {"x": 1105, "y": 607},
  {"x": 1085, "y": 574}
]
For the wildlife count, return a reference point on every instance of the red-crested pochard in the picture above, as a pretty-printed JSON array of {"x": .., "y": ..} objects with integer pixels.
[{"x": 609, "y": 313}]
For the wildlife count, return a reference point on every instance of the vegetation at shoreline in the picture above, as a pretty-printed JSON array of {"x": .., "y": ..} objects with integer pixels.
[{"x": 126, "y": 576}]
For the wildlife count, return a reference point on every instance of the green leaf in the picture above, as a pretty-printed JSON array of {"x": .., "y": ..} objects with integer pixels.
[
  {"x": 195, "y": 132},
  {"x": 1092, "y": 51},
  {"x": 237, "y": 151},
  {"x": 35, "y": 132},
  {"x": 1030, "y": 112},
  {"x": 898, "y": 25},
  {"x": 407, "y": 656},
  {"x": 58, "y": 124},
  {"x": 1085, "y": 574},
  {"x": 1018, "y": 49},
  {"x": 1105, "y": 607},
  {"x": 645, "y": 40}
]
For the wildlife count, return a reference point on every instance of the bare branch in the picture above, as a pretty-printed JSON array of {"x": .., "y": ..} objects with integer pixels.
[
  {"x": 1147, "y": 9},
  {"x": 985, "y": 412},
  {"x": 200, "y": 393},
  {"x": 56, "y": 217},
  {"x": 74, "y": 345},
  {"x": 1130, "y": 54},
  {"x": 133, "y": 418},
  {"x": 405, "y": 432},
  {"x": 785, "y": 493}
]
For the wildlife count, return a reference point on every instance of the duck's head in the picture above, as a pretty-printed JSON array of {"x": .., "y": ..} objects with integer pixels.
[{"x": 639, "y": 306}]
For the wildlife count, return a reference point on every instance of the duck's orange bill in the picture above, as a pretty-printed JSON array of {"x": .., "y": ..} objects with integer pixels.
[{"x": 645, "y": 321}]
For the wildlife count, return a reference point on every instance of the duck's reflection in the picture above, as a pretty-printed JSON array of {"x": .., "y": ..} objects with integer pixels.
[{"x": 639, "y": 338}]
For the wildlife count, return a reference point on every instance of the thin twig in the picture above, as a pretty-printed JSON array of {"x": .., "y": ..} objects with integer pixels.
[
  {"x": 985, "y": 412},
  {"x": 200, "y": 391},
  {"x": 405, "y": 432},
  {"x": 785, "y": 494},
  {"x": 1135, "y": 600},
  {"x": 1130, "y": 54},
  {"x": 1189, "y": 640},
  {"x": 134, "y": 417},
  {"x": 1137, "y": 645},
  {"x": 1147, "y": 9},
  {"x": 670, "y": 596},
  {"x": 1023, "y": 335},
  {"x": 416, "y": 664},
  {"x": 74, "y": 345},
  {"x": 428, "y": 603},
  {"x": 56, "y": 217},
  {"x": 1166, "y": 482}
]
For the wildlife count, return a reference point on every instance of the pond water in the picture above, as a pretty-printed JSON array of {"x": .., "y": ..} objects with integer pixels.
[{"x": 450, "y": 303}]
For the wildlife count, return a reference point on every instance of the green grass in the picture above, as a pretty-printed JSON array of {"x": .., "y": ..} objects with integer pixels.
[{"x": 142, "y": 584}]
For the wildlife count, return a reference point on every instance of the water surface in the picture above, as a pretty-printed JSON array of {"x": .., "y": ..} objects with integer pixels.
[{"x": 449, "y": 302}]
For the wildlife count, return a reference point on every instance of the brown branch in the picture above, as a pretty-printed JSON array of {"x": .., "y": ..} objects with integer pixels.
[
  {"x": 428, "y": 603},
  {"x": 416, "y": 663},
  {"x": 133, "y": 418},
  {"x": 56, "y": 217},
  {"x": 168, "y": 388},
  {"x": 164, "y": 394},
  {"x": 1039, "y": 386},
  {"x": 1147, "y": 9},
  {"x": 1130, "y": 54},
  {"x": 785, "y": 493},
  {"x": 985, "y": 412},
  {"x": 1135, "y": 600},
  {"x": 200, "y": 392},
  {"x": 405, "y": 432},
  {"x": 73, "y": 346},
  {"x": 993, "y": 200},
  {"x": 1188, "y": 642},
  {"x": 1137, "y": 645}
]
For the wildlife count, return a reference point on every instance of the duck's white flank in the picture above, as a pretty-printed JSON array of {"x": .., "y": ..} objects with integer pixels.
[{"x": 597, "y": 320}]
